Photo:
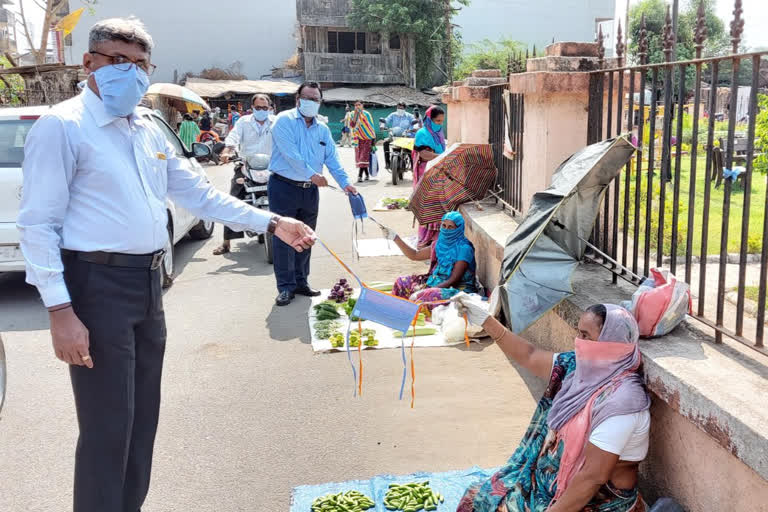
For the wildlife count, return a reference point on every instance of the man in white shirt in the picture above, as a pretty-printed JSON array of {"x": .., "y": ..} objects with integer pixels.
[
  {"x": 93, "y": 224},
  {"x": 252, "y": 135}
]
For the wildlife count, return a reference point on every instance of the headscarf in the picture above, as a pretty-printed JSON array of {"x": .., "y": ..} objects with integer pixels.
[
  {"x": 451, "y": 241},
  {"x": 437, "y": 134},
  {"x": 605, "y": 369}
]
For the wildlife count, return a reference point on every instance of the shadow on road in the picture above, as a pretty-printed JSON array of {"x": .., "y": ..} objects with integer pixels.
[
  {"x": 248, "y": 259},
  {"x": 288, "y": 323},
  {"x": 20, "y": 305}
]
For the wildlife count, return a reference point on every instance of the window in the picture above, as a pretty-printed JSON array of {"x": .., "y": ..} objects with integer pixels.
[
  {"x": 172, "y": 138},
  {"x": 12, "y": 137},
  {"x": 346, "y": 42},
  {"x": 394, "y": 42}
]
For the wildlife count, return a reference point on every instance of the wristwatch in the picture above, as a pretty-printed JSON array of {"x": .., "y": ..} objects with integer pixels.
[{"x": 273, "y": 224}]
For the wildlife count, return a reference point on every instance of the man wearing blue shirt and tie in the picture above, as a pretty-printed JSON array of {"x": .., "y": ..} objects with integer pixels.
[{"x": 300, "y": 147}]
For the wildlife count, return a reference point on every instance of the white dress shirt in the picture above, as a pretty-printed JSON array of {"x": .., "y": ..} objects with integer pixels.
[
  {"x": 95, "y": 182},
  {"x": 251, "y": 137}
]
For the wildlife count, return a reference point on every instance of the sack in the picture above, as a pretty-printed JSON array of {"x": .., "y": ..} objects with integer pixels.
[
  {"x": 373, "y": 168},
  {"x": 660, "y": 303}
]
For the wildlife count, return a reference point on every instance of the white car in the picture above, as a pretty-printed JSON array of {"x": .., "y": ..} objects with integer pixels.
[{"x": 15, "y": 123}]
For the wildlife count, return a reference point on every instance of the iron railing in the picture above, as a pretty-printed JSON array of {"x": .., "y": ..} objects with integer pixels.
[
  {"x": 666, "y": 206},
  {"x": 505, "y": 133}
]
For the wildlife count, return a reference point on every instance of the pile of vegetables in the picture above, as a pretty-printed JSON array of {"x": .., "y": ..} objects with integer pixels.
[
  {"x": 325, "y": 328},
  {"x": 368, "y": 338},
  {"x": 418, "y": 331},
  {"x": 400, "y": 203},
  {"x": 340, "y": 292},
  {"x": 412, "y": 497},
  {"x": 350, "y": 501},
  {"x": 326, "y": 311}
]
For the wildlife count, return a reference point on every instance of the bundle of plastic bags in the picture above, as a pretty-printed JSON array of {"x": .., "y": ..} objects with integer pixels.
[{"x": 660, "y": 303}]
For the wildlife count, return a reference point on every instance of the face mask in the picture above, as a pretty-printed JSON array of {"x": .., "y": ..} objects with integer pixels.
[
  {"x": 436, "y": 127},
  {"x": 401, "y": 111},
  {"x": 260, "y": 115},
  {"x": 121, "y": 91},
  {"x": 309, "y": 108}
]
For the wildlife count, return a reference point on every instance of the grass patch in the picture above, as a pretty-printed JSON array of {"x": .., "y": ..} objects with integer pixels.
[{"x": 752, "y": 292}]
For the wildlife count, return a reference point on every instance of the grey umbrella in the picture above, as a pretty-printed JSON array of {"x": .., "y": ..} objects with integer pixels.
[{"x": 543, "y": 252}]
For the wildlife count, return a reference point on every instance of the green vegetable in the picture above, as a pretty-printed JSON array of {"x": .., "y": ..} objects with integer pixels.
[
  {"x": 421, "y": 320},
  {"x": 412, "y": 497},
  {"x": 326, "y": 311},
  {"x": 350, "y": 501},
  {"x": 419, "y": 331},
  {"x": 381, "y": 286},
  {"x": 324, "y": 328}
]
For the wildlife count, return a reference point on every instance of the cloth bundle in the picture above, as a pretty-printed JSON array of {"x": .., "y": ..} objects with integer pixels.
[{"x": 660, "y": 303}]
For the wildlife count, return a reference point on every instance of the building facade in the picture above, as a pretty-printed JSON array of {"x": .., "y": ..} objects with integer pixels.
[
  {"x": 7, "y": 31},
  {"x": 331, "y": 52}
]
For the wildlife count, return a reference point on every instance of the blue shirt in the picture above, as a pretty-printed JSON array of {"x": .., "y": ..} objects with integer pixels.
[
  {"x": 300, "y": 151},
  {"x": 399, "y": 123}
]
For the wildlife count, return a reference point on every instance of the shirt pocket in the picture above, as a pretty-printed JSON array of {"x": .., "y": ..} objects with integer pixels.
[{"x": 154, "y": 170}]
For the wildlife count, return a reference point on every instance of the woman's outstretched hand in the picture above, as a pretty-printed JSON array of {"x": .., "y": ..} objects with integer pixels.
[
  {"x": 389, "y": 234},
  {"x": 476, "y": 309}
]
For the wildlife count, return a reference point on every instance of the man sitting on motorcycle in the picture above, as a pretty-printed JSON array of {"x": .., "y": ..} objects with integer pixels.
[
  {"x": 251, "y": 135},
  {"x": 398, "y": 122}
]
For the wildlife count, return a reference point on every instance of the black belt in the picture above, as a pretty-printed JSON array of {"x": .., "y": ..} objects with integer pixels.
[
  {"x": 115, "y": 259},
  {"x": 300, "y": 184}
]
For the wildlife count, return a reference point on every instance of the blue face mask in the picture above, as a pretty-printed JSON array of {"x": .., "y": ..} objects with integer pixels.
[
  {"x": 260, "y": 115},
  {"x": 121, "y": 91},
  {"x": 308, "y": 108},
  {"x": 437, "y": 127}
]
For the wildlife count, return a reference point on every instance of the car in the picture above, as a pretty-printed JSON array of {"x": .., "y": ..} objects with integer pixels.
[{"x": 15, "y": 124}]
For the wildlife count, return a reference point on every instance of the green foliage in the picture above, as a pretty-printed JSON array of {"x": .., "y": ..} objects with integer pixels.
[
  {"x": 10, "y": 95},
  {"x": 424, "y": 20},
  {"x": 486, "y": 54},
  {"x": 761, "y": 135}
]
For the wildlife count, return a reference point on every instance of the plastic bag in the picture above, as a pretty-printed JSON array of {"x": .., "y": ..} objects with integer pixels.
[
  {"x": 453, "y": 326},
  {"x": 373, "y": 168},
  {"x": 660, "y": 303}
]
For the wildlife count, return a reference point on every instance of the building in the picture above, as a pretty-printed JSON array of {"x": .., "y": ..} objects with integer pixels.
[
  {"x": 332, "y": 53},
  {"x": 7, "y": 31},
  {"x": 538, "y": 23},
  {"x": 250, "y": 37}
]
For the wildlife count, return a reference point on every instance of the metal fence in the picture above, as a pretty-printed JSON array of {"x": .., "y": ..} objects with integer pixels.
[
  {"x": 686, "y": 200},
  {"x": 505, "y": 133}
]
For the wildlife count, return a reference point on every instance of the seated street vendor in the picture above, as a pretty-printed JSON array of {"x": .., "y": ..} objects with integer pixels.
[
  {"x": 590, "y": 430},
  {"x": 452, "y": 267}
]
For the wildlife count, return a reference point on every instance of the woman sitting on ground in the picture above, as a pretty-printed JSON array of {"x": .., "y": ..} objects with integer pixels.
[
  {"x": 452, "y": 266},
  {"x": 590, "y": 430}
]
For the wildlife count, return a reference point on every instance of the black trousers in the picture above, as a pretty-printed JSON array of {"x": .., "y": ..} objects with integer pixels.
[
  {"x": 236, "y": 190},
  {"x": 118, "y": 400},
  {"x": 386, "y": 144},
  {"x": 291, "y": 267}
]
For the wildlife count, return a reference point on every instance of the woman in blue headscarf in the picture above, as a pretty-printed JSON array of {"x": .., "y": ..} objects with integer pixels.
[
  {"x": 428, "y": 145},
  {"x": 452, "y": 268}
]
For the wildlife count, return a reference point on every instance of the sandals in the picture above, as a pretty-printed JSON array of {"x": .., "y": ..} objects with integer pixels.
[{"x": 222, "y": 249}]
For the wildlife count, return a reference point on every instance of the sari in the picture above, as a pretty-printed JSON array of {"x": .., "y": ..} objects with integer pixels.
[
  {"x": 551, "y": 450},
  {"x": 363, "y": 134},
  {"x": 433, "y": 137}
]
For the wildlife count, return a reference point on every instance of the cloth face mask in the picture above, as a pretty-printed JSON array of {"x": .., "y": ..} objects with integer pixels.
[{"x": 121, "y": 91}]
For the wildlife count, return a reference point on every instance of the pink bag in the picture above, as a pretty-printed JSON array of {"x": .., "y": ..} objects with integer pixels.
[{"x": 660, "y": 303}]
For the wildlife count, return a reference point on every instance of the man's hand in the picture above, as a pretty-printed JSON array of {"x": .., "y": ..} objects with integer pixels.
[
  {"x": 70, "y": 337},
  {"x": 226, "y": 155},
  {"x": 319, "y": 180},
  {"x": 295, "y": 233},
  {"x": 350, "y": 190}
]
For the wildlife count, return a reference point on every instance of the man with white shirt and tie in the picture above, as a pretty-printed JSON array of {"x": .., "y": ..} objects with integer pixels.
[
  {"x": 93, "y": 225},
  {"x": 252, "y": 135}
]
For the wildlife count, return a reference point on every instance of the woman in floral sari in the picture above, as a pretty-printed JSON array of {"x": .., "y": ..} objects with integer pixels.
[
  {"x": 428, "y": 145},
  {"x": 452, "y": 266},
  {"x": 590, "y": 430}
]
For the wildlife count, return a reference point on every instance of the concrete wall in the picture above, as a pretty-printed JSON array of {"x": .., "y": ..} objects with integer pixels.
[{"x": 197, "y": 34}]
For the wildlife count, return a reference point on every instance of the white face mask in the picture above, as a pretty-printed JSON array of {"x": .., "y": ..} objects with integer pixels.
[{"x": 401, "y": 111}]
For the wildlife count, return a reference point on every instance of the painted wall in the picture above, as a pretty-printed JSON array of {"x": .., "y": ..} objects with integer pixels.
[
  {"x": 533, "y": 22},
  {"x": 197, "y": 34}
]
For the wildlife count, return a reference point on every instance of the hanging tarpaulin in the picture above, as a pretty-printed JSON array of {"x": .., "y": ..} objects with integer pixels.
[{"x": 543, "y": 252}]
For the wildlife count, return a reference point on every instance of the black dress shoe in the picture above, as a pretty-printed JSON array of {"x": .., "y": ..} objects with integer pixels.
[
  {"x": 307, "y": 291},
  {"x": 284, "y": 298}
]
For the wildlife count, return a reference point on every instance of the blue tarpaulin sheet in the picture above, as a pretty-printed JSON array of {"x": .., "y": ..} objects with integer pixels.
[{"x": 451, "y": 484}]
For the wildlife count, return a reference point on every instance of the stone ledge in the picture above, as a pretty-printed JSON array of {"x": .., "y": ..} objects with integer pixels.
[{"x": 719, "y": 388}]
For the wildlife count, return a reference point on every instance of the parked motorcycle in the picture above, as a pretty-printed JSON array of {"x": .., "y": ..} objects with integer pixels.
[
  {"x": 400, "y": 151},
  {"x": 255, "y": 178}
]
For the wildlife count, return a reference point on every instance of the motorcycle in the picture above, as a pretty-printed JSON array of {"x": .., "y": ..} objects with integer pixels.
[
  {"x": 255, "y": 178},
  {"x": 400, "y": 152}
]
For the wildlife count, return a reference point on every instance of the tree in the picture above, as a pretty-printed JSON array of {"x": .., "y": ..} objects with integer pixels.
[
  {"x": 761, "y": 135},
  {"x": 11, "y": 86},
  {"x": 428, "y": 22},
  {"x": 52, "y": 11},
  {"x": 487, "y": 54}
]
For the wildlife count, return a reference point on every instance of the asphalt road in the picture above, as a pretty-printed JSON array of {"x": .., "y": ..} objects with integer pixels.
[{"x": 248, "y": 410}]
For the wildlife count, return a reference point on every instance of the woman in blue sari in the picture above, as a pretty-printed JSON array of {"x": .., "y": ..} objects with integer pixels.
[{"x": 428, "y": 145}]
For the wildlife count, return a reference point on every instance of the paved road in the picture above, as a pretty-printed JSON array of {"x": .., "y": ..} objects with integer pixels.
[{"x": 248, "y": 410}]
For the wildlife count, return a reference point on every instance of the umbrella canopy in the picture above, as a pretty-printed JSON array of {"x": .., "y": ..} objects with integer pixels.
[
  {"x": 463, "y": 173},
  {"x": 542, "y": 253},
  {"x": 178, "y": 92}
]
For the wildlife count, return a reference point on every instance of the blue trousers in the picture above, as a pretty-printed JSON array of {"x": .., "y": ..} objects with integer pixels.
[{"x": 291, "y": 267}]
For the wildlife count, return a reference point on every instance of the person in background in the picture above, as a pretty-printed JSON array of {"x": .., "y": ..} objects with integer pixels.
[
  {"x": 452, "y": 264},
  {"x": 398, "y": 122},
  {"x": 346, "y": 131},
  {"x": 590, "y": 431},
  {"x": 93, "y": 225},
  {"x": 429, "y": 143},
  {"x": 364, "y": 133},
  {"x": 252, "y": 135},
  {"x": 188, "y": 131},
  {"x": 234, "y": 115},
  {"x": 196, "y": 116},
  {"x": 301, "y": 146},
  {"x": 205, "y": 122}
]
